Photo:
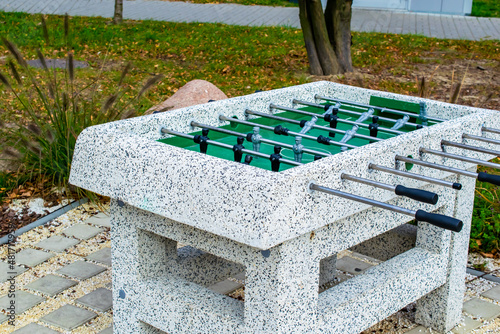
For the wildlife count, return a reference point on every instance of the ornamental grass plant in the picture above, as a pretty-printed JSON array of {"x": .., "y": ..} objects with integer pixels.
[{"x": 53, "y": 107}]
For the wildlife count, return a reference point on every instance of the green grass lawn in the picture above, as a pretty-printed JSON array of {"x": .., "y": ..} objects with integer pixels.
[
  {"x": 486, "y": 8},
  {"x": 240, "y": 60}
]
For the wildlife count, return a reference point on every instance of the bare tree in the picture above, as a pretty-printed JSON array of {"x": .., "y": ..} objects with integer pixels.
[
  {"x": 118, "y": 18},
  {"x": 327, "y": 35}
]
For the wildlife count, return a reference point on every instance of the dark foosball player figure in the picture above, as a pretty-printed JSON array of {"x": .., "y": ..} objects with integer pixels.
[
  {"x": 202, "y": 140},
  {"x": 373, "y": 127},
  {"x": 275, "y": 159},
  {"x": 238, "y": 149},
  {"x": 248, "y": 159}
]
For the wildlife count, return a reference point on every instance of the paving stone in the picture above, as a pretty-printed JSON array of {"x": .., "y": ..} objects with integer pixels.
[
  {"x": 492, "y": 278},
  {"x": 7, "y": 271},
  {"x": 3, "y": 318},
  {"x": 82, "y": 231},
  {"x": 481, "y": 309},
  {"x": 68, "y": 317},
  {"x": 493, "y": 293},
  {"x": 99, "y": 300},
  {"x": 81, "y": 270},
  {"x": 56, "y": 63},
  {"x": 34, "y": 329},
  {"x": 57, "y": 243},
  {"x": 100, "y": 219},
  {"x": 102, "y": 256},
  {"x": 51, "y": 284},
  {"x": 225, "y": 287},
  {"x": 419, "y": 330},
  {"x": 108, "y": 330},
  {"x": 23, "y": 301},
  {"x": 466, "y": 326},
  {"x": 31, "y": 257},
  {"x": 352, "y": 266}
]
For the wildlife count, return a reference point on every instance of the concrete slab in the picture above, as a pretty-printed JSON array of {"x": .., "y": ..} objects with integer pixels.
[
  {"x": 102, "y": 256},
  {"x": 68, "y": 317},
  {"x": 492, "y": 278},
  {"x": 57, "y": 243},
  {"x": 481, "y": 309},
  {"x": 100, "y": 219},
  {"x": 419, "y": 330},
  {"x": 493, "y": 293},
  {"x": 99, "y": 300},
  {"x": 3, "y": 318},
  {"x": 352, "y": 266},
  {"x": 51, "y": 284},
  {"x": 34, "y": 328},
  {"x": 468, "y": 324},
  {"x": 108, "y": 330},
  {"x": 81, "y": 270},
  {"x": 82, "y": 231},
  {"x": 7, "y": 271},
  {"x": 22, "y": 301},
  {"x": 225, "y": 287},
  {"x": 31, "y": 257}
]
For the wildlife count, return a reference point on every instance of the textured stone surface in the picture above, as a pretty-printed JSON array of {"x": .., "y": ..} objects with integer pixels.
[
  {"x": 100, "y": 219},
  {"x": 23, "y": 301},
  {"x": 193, "y": 93},
  {"x": 81, "y": 270},
  {"x": 34, "y": 329},
  {"x": 467, "y": 325},
  {"x": 31, "y": 257},
  {"x": 7, "y": 271},
  {"x": 82, "y": 231},
  {"x": 493, "y": 293},
  {"x": 99, "y": 300},
  {"x": 51, "y": 284},
  {"x": 481, "y": 309},
  {"x": 68, "y": 317},
  {"x": 102, "y": 256},
  {"x": 57, "y": 243}
]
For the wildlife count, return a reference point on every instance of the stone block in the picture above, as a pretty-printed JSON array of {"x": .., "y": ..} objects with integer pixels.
[
  {"x": 99, "y": 300},
  {"x": 34, "y": 329},
  {"x": 481, "y": 309},
  {"x": 23, "y": 301},
  {"x": 102, "y": 256},
  {"x": 100, "y": 219},
  {"x": 82, "y": 231},
  {"x": 57, "y": 243},
  {"x": 7, "y": 271},
  {"x": 68, "y": 317},
  {"x": 81, "y": 270},
  {"x": 108, "y": 330},
  {"x": 51, "y": 284},
  {"x": 31, "y": 257},
  {"x": 225, "y": 287},
  {"x": 493, "y": 293},
  {"x": 351, "y": 265},
  {"x": 419, "y": 330},
  {"x": 466, "y": 326},
  {"x": 3, "y": 318}
]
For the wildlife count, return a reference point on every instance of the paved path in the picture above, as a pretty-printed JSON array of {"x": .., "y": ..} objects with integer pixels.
[{"x": 431, "y": 25}]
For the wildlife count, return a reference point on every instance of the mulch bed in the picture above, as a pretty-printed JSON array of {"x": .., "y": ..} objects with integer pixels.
[{"x": 11, "y": 220}]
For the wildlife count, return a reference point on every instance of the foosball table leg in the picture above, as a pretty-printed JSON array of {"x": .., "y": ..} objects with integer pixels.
[
  {"x": 328, "y": 269},
  {"x": 442, "y": 308}
]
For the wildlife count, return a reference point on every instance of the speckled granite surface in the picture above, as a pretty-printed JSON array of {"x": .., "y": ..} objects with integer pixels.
[{"x": 271, "y": 225}]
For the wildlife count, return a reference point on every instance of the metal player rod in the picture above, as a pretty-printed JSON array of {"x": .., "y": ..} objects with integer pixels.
[
  {"x": 481, "y": 176},
  {"x": 215, "y": 143},
  {"x": 382, "y": 109},
  {"x": 461, "y": 158},
  {"x": 340, "y": 120},
  {"x": 492, "y": 130},
  {"x": 483, "y": 139},
  {"x": 353, "y": 113},
  {"x": 319, "y": 127},
  {"x": 291, "y": 133},
  {"x": 264, "y": 140},
  {"x": 470, "y": 148},
  {"x": 442, "y": 221},
  {"x": 414, "y": 176},
  {"x": 416, "y": 194}
]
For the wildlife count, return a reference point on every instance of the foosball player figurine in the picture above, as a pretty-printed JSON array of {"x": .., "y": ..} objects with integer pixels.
[
  {"x": 298, "y": 149},
  {"x": 275, "y": 159},
  {"x": 255, "y": 138},
  {"x": 332, "y": 118},
  {"x": 238, "y": 149},
  {"x": 248, "y": 159},
  {"x": 202, "y": 140},
  {"x": 373, "y": 127}
]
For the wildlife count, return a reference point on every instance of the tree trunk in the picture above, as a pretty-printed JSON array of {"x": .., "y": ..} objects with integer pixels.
[
  {"x": 118, "y": 18},
  {"x": 338, "y": 22},
  {"x": 327, "y": 37}
]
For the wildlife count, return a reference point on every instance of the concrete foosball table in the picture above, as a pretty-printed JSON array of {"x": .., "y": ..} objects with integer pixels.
[{"x": 236, "y": 217}]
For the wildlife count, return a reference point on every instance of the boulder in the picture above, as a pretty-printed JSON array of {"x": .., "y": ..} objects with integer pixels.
[{"x": 193, "y": 93}]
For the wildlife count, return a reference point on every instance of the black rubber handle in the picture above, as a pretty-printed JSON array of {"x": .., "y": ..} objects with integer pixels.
[
  {"x": 417, "y": 194},
  {"x": 485, "y": 177},
  {"x": 448, "y": 223}
]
